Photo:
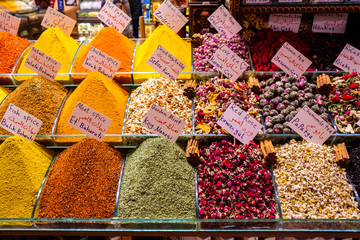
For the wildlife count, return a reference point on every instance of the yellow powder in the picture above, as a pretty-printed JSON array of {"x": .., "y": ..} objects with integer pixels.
[
  {"x": 165, "y": 37},
  {"x": 56, "y": 44},
  {"x": 100, "y": 94},
  {"x": 3, "y": 93},
  {"x": 22, "y": 169}
]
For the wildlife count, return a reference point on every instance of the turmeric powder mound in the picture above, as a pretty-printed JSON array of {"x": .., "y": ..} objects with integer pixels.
[
  {"x": 39, "y": 97},
  {"x": 56, "y": 44},
  {"x": 100, "y": 94},
  {"x": 22, "y": 169},
  {"x": 111, "y": 42},
  {"x": 165, "y": 37},
  {"x": 3, "y": 93}
]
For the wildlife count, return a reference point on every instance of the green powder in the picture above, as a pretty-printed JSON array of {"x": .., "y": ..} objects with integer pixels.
[{"x": 157, "y": 183}]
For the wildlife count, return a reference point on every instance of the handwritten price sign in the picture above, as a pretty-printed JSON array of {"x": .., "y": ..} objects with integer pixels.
[
  {"x": 330, "y": 22},
  {"x": 227, "y": 62},
  {"x": 96, "y": 60},
  {"x": 291, "y": 60},
  {"x": 20, "y": 123},
  {"x": 239, "y": 124},
  {"x": 170, "y": 16},
  {"x": 112, "y": 16},
  {"x": 349, "y": 59},
  {"x": 165, "y": 63},
  {"x": 224, "y": 22},
  {"x": 89, "y": 121},
  {"x": 9, "y": 23},
  {"x": 310, "y": 126},
  {"x": 285, "y": 22},
  {"x": 54, "y": 18},
  {"x": 42, "y": 64},
  {"x": 163, "y": 123}
]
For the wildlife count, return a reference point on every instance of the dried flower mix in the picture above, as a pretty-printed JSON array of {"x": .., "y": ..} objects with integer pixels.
[
  {"x": 282, "y": 99},
  {"x": 165, "y": 93},
  {"x": 210, "y": 43},
  {"x": 157, "y": 182},
  {"x": 234, "y": 182},
  {"x": 353, "y": 169},
  {"x": 311, "y": 185},
  {"x": 215, "y": 96},
  {"x": 83, "y": 182},
  {"x": 344, "y": 102}
]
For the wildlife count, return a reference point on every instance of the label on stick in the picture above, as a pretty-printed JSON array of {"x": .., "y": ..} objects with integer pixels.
[
  {"x": 239, "y": 124},
  {"x": 20, "y": 123},
  {"x": 170, "y": 16},
  {"x": 9, "y": 23},
  {"x": 112, "y": 16},
  {"x": 330, "y": 22},
  {"x": 227, "y": 62},
  {"x": 224, "y": 22},
  {"x": 96, "y": 60},
  {"x": 54, "y": 18},
  {"x": 163, "y": 123},
  {"x": 310, "y": 126},
  {"x": 89, "y": 121},
  {"x": 291, "y": 60},
  {"x": 285, "y": 22},
  {"x": 42, "y": 64},
  {"x": 165, "y": 63},
  {"x": 349, "y": 59}
]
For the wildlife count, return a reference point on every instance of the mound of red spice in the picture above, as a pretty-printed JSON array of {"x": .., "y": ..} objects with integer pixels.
[{"x": 234, "y": 182}]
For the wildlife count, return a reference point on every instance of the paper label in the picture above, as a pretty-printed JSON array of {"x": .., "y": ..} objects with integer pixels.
[
  {"x": 349, "y": 59},
  {"x": 170, "y": 16},
  {"x": 165, "y": 63},
  {"x": 330, "y": 22},
  {"x": 9, "y": 23},
  {"x": 257, "y": 1},
  {"x": 112, "y": 16},
  {"x": 96, "y": 60},
  {"x": 20, "y": 123},
  {"x": 310, "y": 126},
  {"x": 224, "y": 22},
  {"x": 319, "y": 1},
  {"x": 239, "y": 124},
  {"x": 54, "y": 18},
  {"x": 42, "y": 64},
  {"x": 289, "y": 1},
  {"x": 285, "y": 22},
  {"x": 227, "y": 62},
  {"x": 89, "y": 121},
  {"x": 163, "y": 123},
  {"x": 291, "y": 60}
]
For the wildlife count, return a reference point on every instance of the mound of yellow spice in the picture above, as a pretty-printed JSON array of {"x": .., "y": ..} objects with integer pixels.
[
  {"x": 165, "y": 37},
  {"x": 22, "y": 169},
  {"x": 56, "y": 44},
  {"x": 111, "y": 42},
  {"x": 3, "y": 93},
  {"x": 100, "y": 94}
]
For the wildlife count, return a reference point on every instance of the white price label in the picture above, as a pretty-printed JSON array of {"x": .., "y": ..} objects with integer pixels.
[
  {"x": 330, "y": 22},
  {"x": 9, "y": 23},
  {"x": 349, "y": 59},
  {"x": 53, "y": 18},
  {"x": 170, "y": 16},
  {"x": 112, "y": 16},
  {"x": 224, "y": 22},
  {"x": 285, "y": 22}
]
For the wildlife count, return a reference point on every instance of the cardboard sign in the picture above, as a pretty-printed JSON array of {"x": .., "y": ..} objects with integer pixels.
[
  {"x": 9, "y": 23},
  {"x": 227, "y": 62},
  {"x": 165, "y": 63},
  {"x": 163, "y": 123},
  {"x": 349, "y": 59},
  {"x": 291, "y": 60},
  {"x": 239, "y": 124},
  {"x": 310, "y": 126},
  {"x": 89, "y": 121},
  {"x": 53, "y": 18},
  {"x": 170, "y": 16},
  {"x": 112, "y": 16},
  {"x": 42, "y": 64},
  {"x": 285, "y": 22},
  {"x": 330, "y": 22},
  {"x": 20, "y": 123},
  {"x": 224, "y": 22},
  {"x": 96, "y": 60}
]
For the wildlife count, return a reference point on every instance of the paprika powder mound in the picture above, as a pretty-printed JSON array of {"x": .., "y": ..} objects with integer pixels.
[
  {"x": 82, "y": 183},
  {"x": 104, "y": 41}
]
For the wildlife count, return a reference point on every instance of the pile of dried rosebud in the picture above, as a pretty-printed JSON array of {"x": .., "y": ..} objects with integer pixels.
[{"x": 234, "y": 182}]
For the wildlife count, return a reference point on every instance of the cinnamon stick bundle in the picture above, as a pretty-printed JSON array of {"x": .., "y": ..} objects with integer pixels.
[
  {"x": 268, "y": 151},
  {"x": 254, "y": 85},
  {"x": 192, "y": 153},
  {"x": 189, "y": 89},
  {"x": 324, "y": 84},
  {"x": 341, "y": 155}
]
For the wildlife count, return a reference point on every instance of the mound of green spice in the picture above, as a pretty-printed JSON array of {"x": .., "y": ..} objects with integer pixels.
[{"x": 157, "y": 183}]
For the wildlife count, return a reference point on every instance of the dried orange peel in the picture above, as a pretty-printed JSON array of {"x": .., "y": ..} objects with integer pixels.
[
  {"x": 204, "y": 127},
  {"x": 209, "y": 110}
]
